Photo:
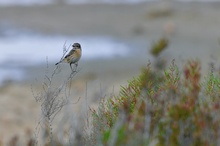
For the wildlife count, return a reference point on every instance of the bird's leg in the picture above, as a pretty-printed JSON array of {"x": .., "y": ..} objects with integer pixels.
[
  {"x": 73, "y": 70},
  {"x": 71, "y": 66},
  {"x": 76, "y": 64}
]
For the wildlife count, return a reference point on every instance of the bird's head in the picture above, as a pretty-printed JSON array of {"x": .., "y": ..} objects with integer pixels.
[{"x": 77, "y": 46}]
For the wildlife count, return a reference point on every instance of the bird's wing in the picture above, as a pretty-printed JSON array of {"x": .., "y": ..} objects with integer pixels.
[{"x": 70, "y": 53}]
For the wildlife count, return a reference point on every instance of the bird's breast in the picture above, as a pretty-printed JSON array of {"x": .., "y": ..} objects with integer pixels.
[{"x": 78, "y": 53}]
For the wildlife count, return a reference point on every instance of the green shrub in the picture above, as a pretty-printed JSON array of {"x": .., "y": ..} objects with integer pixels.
[{"x": 162, "y": 108}]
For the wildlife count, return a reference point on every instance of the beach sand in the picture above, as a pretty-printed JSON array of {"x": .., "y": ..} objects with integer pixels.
[{"x": 192, "y": 28}]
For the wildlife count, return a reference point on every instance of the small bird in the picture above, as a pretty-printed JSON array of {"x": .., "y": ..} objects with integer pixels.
[{"x": 73, "y": 56}]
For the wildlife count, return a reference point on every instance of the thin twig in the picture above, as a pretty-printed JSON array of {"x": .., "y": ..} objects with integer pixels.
[{"x": 50, "y": 99}]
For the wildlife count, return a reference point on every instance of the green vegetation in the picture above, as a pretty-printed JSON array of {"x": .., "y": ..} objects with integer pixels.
[{"x": 169, "y": 107}]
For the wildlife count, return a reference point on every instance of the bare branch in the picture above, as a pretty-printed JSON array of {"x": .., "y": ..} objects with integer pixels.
[{"x": 52, "y": 100}]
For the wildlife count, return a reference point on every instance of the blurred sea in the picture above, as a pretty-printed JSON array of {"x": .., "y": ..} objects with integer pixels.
[{"x": 20, "y": 50}]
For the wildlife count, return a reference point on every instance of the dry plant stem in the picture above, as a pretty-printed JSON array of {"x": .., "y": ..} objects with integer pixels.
[{"x": 53, "y": 99}]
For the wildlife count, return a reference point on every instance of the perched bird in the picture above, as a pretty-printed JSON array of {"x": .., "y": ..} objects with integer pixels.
[{"x": 73, "y": 56}]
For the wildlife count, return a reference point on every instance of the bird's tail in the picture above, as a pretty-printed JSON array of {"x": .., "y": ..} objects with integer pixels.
[
  {"x": 58, "y": 62},
  {"x": 61, "y": 61}
]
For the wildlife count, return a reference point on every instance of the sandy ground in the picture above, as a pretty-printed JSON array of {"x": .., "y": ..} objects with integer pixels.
[{"x": 193, "y": 30}]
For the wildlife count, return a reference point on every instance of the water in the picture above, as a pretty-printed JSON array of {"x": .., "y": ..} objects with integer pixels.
[
  {"x": 32, "y": 50},
  {"x": 22, "y": 50}
]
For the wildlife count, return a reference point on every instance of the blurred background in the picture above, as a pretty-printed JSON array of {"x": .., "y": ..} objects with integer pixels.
[{"x": 115, "y": 36}]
